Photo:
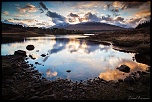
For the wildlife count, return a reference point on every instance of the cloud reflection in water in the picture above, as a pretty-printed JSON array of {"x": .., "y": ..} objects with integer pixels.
[
  {"x": 86, "y": 59},
  {"x": 114, "y": 74},
  {"x": 50, "y": 74}
]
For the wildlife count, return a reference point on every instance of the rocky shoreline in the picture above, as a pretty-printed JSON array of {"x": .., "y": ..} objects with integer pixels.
[{"x": 20, "y": 81}]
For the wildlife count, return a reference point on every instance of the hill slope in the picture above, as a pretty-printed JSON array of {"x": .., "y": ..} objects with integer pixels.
[{"x": 93, "y": 26}]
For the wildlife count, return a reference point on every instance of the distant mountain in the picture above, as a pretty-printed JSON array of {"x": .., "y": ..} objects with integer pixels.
[
  {"x": 92, "y": 26},
  {"x": 60, "y": 25}
]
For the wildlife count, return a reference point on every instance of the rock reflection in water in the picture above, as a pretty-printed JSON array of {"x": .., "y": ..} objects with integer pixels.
[{"x": 115, "y": 74}]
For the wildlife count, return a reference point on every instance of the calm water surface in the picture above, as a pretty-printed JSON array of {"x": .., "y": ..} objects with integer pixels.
[{"x": 85, "y": 60}]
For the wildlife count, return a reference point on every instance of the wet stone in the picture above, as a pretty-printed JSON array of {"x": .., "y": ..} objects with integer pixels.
[
  {"x": 30, "y": 47},
  {"x": 124, "y": 68},
  {"x": 43, "y": 55}
]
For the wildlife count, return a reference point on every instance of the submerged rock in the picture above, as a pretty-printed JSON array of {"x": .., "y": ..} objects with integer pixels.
[
  {"x": 68, "y": 71},
  {"x": 32, "y": 57},
  {"x": 43, "y": 55},
  {"x": 124, "y": 68}
]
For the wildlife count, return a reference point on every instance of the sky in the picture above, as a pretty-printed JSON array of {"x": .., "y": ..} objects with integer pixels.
[{"x": 50, "y": 13}]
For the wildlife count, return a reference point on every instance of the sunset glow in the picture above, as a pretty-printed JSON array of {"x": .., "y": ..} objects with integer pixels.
[{"x": 49, "y": 13}]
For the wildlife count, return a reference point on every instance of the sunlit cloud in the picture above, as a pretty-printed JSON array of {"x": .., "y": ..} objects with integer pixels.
[
  {"x": 133, "y": 22},
  {"x": 143, "y": 13},
  {"x": 6, "y": 13},
  {"x": 27, "y": 8},
  {"x": 119, "y": 19},
  {"x": 87, "y": 4}
]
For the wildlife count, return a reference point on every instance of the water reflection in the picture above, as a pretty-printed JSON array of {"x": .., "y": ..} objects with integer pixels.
[
  {"x": 50, "y": 74},
  {"x": 114, "y": 74},
  {"x": 85, "y": 59}
]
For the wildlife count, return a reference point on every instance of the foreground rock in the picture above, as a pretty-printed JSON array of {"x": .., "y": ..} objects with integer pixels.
[
  {"x": 124, "y": 68},
  {"x": 20, "y": 52},
  {"x": 21, "y": 82}
]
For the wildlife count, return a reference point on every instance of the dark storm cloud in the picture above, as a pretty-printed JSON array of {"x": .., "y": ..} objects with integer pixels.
[
  {"x": 108, "y": 18},
  {"x": 128, "y": 5},
  {"x": 119, "y": 19},
  {"x": 55, "y": 15},
  {"x": 117, "y": 6},
  {"x": 91, "y": 17},
  {"x": 43, "y": 6},
  {"x": 41, "y": 10},
  {"x": 73, "y": 15},
  {"x": 56, "y": 18}
]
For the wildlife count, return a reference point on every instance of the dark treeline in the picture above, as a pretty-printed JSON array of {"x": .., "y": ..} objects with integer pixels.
[
  {"x": 144, "y": 24},
  {"x": 20, "y": 29}
]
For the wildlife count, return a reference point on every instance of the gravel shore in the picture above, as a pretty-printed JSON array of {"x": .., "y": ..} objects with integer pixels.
[{"x": 20, "y": 81}]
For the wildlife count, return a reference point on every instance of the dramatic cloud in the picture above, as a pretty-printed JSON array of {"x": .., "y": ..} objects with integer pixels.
[
  {"x": 117, "y": 6},
  {"x": 143, "y": 13},
  {"x": 6, "y": 13},
  {"x": 28, "y": 22},
  {"x": 56, "y": 18},
  {"x": 27, "y": 8},
  {"x": 55, "y": 15},
  {"x": 41, "y": 10},
  {"x": 88, "y": 17},
  {"x": 133, "y": 22},
  {"x": 63, "y": 13},
  {"x": 86, "y": 4},
  {"x": 16, "y": 19},
  {"x": 108, "y": 18},
  {"x": 129, "y": 5},
  {"x": 125, "y": 5},
  {"x": 74, "y": 18},
  {"x": 92, "y": 17},
  {"x": 73, "y": 15},
  {"x": 119, "y": 19},
  {"x": 43, "y": 6}
]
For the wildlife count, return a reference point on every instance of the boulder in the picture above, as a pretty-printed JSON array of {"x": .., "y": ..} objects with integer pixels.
[
  {"x": 20, "y": 52},
  {"x": 129, "y": 80},
  {"x": 30, "y": 47},
  {"x": 124, "y": 68},
  {"x": 43, "y": 55}
]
